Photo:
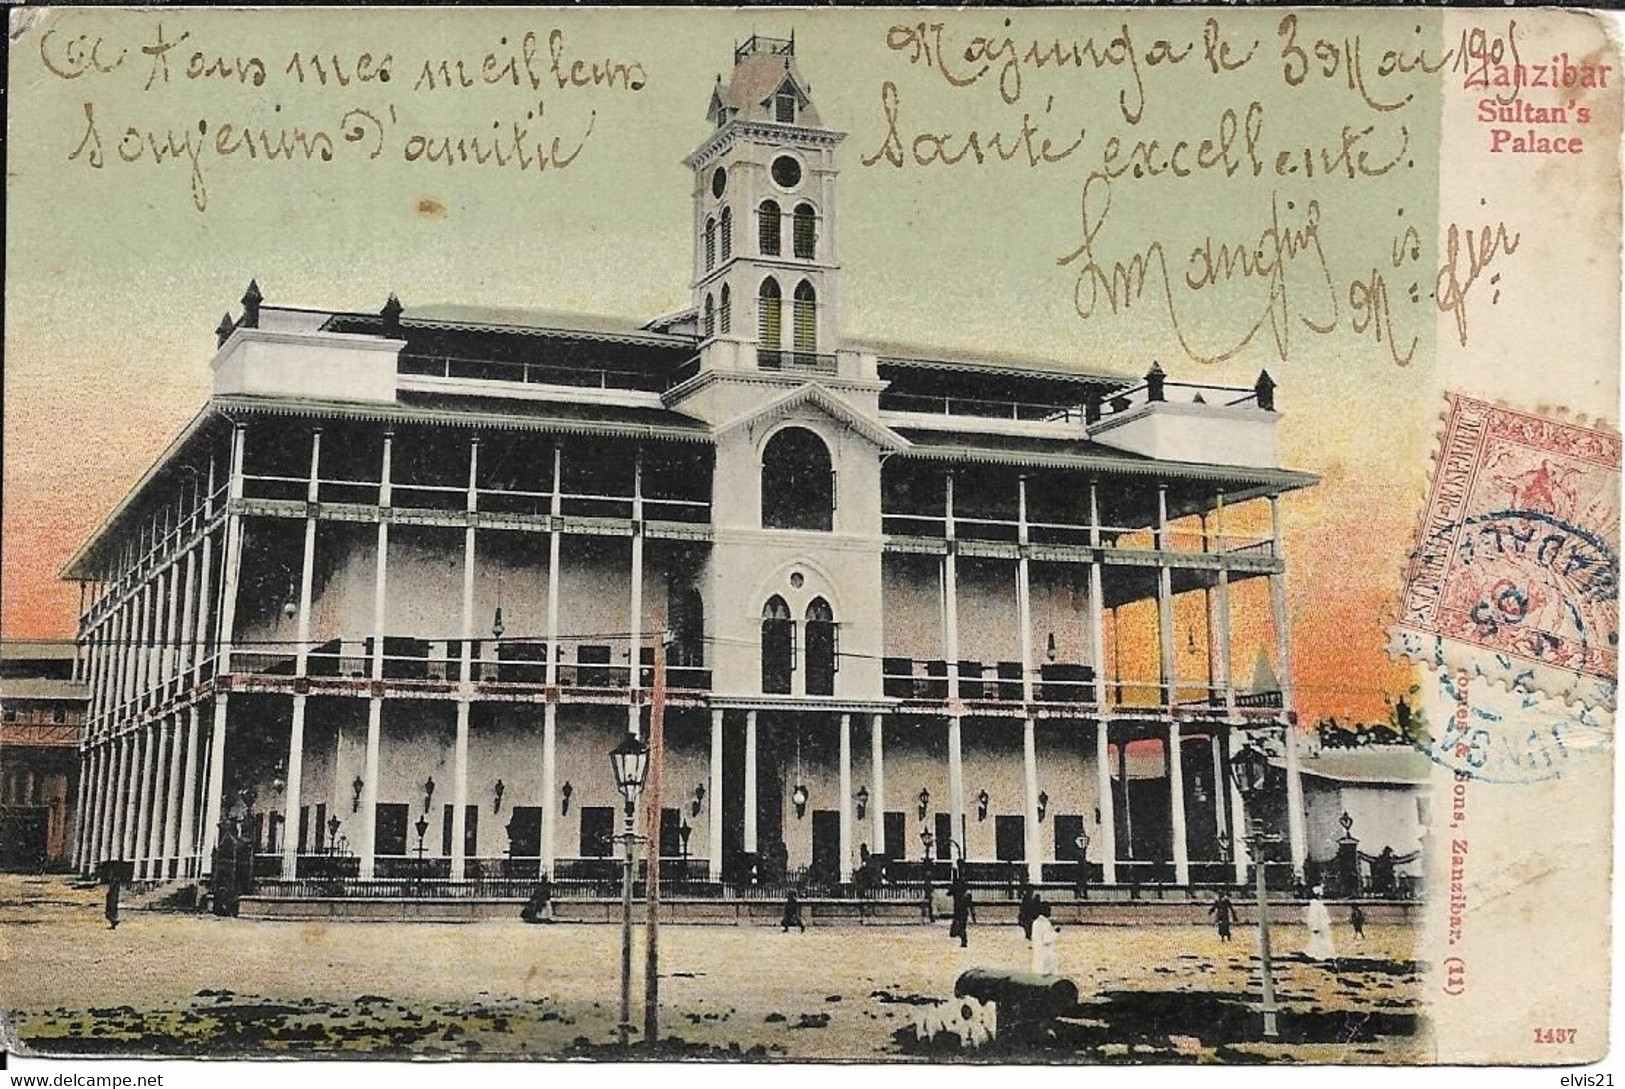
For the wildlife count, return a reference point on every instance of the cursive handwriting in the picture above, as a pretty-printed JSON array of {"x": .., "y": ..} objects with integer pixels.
[{"x": 1467, "y": 253}]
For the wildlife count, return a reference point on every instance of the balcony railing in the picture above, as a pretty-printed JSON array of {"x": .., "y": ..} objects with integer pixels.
[
  {"x": 1079, "y": 533},
  {"x": 529, "y": 372},
  {"x": 930, "y": 404},
  {"x": 1000, "y": 682},
  {"x": 580, "y": 665},
  {"x": 657, "y": 506},
  {"x": 776, "y": 359}
]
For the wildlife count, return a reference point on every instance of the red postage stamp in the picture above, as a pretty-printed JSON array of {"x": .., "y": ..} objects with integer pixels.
[{"x": 1515, "y": 573}]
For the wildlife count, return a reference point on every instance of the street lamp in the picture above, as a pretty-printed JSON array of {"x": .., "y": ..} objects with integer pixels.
[
  {"x": 1250, "y": 770},
  {"x": 1082, "y": 843},
  {"x": 422, "y": 827},
  {"x": 928, "y": 841},
  {"x": 630, "y": 763}
]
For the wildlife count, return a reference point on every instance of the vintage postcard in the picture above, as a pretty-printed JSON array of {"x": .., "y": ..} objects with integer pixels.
[{"x": 884, "y": 535}]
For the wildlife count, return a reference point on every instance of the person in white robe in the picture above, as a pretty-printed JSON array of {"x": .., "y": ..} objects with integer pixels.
[
  {"x": 1043, "y": 941},
  {"x": 1319, "y": 921}
]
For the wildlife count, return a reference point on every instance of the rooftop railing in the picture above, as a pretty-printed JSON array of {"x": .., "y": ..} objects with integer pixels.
[
  {"x": 1080, "y": 533},
  {"x": 980, "y": 408},
  {"x": 529, "y": 372},
  {"x": 776, "y": 359}
]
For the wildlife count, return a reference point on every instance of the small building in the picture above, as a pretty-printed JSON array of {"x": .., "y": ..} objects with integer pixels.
[
  {"x": 42, "y": 714},
  {"x": 1369, "y": 807}
]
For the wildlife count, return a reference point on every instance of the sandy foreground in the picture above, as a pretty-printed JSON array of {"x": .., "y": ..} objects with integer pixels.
[{"x": 175, "y": 984}]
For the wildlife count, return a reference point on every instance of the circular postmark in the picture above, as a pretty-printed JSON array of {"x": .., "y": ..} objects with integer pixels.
[{"x": 1497, "y": 734}]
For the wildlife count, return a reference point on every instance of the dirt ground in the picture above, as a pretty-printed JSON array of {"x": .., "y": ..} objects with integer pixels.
[{"x": 172, "y": 984}]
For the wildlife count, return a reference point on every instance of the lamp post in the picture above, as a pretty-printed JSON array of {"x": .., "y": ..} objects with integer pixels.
[
  {"x": 630, "y": 763},
  {"x": 422, "y": 830},
  {"x": 1082, "y": 842},
  {"x": 927, "y": 840},
  {"x": 1250, "y": 769}
]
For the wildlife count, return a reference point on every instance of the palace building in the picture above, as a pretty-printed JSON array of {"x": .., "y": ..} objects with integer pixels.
[{"x": 392, "y": 595}]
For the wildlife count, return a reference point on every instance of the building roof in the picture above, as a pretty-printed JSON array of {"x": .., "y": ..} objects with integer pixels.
[
  {"x": 920, "y": 357},
  {"x": 756, "y": 78},
  {"x": 539, "y": 322},
  {"x": 1371, "y": 765}
]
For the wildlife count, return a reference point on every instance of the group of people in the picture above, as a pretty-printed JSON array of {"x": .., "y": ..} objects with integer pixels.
[{"x": 1317, "y": 918}]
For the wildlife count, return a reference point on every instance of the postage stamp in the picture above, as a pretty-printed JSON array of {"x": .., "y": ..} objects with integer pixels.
[{"x": 1515, "y": 573}]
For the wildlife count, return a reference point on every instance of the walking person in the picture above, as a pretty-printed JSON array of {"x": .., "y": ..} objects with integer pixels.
[
  {"x": 792, "y": 914},
  {"x": 1044, "y": 936},
  {"x": 539, "y": 909},
  {"x": 1357, "y": 920},
  {"x": 115, "y": 875},
  {"x": 1224, "y": 914},
  {"x": 1028, "y": 911},
  {"x": 964, "y": 910},
  {"x": 1319, "y": 921}
]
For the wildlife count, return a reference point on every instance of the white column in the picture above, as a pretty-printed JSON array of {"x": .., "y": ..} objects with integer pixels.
[
  {"x": 200, "y": 636},
  {"x": 846, "y": 798},
  {"x": 1224, "y": 667},
  {"x": 1283, "y": 655},
  {"x": 233, "y": 549},
  {"x": 1165, "y": 604},
  {"x": 104, "y": 780},
  {"x": 1029, "y": 766},
  {"x": 141, "y": 660},
  {"x": 375, "y": 706},
  {"x": 550, "y": 799},
  {"x": 950, "y": 651},
  {"x": 550, "y": 713},
  {"x": 459, "y": 773},
  {"x": 750, "y": 783},
  {"x": 135, "y": 831},
  {"x": 301, "y": 667},
  {"x": 187, "y": 846},
  {"x": 153, "y": 844},
  {"x": 1024, "y": 592},
  {"x": 1176, "y": 794},
  {"x": 1238, "y": 807},
  {"x": 635, "y": 643},
  {"x": 877, "y": 784},
  {"x": 121, "y": 795},
  {"x": 90, "y": 792},
  {"x": 713, "y": 820},
  {"x": 185, "y": 651},
  {"x": 166, "y": 670},
  {"x": 1221, "y": 820},
  {"x": 215, "y": 792},
  {"x": 1106, "y": 829},
  {"x": 459, "y": 794}
]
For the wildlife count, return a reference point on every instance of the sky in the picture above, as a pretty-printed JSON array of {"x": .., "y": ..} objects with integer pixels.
[{"x": 118, "y": 273}]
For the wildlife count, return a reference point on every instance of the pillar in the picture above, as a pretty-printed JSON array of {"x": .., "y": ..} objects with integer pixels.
[
  {"x": 459, "y": 762},
  {"x": 1165, "y": 605},
  {"x": 121, "y": 782},
  {"x": 1296, "y": 837},
  {"x": 634, "y": 650},
  {"x": 375, "y": 706},
  {"x": 1238, "y": 807},
  {"x": 153, "y": 845},
  {"x": 1106, "y": 829},
  {"x": 233, "y": 549},
  {"x": 1176, "y": 795},
  {"x": 750, "y": 784},
  {"x": 1029, "y": 767},
  {"x": 187, "y": 831},
  {"x": 846, "y": 798},
  {"x": 1224, "y": 662},
  {"x": 1221, "y": 819},
  {"x": 135, "y": 828},
  {"x": 90, "y": 830},
  {"x": 301, "y": 668},
  {"x": 550, "y": 712},
  {"x": 550, "y": 799},
  {"x": 713, "y": 819},
  {"x": 877, "y": 786},
  {"x": 215, "y": 791},
  {"x": 1024, "y": 607},
  {"x": 459, "y": 794},
  {"x": 956, "y": 777}
]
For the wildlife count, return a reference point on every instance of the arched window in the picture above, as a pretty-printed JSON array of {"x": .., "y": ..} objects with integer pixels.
[
  {"x": 685, "y": 610},
  {"x": 710, "y": 244},
  {"x": 769, "y": 316},
  {"x": 823, "y": 650},
  {"x": 805, "y": 231},
  {"x": 710, "y": 325},
  {"x": 798, "y": 482},
  {"x": 767, "y": 228},
  {"x": 727, "y": 233},
  {"x": 778, "y": 646},
  {"x": 806, "y": 322},
  {"x": 725, "y": 310}
]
